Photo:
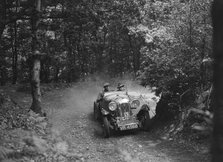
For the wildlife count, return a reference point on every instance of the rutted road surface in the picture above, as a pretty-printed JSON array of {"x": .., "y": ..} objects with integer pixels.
[{"x": 72, "y": 120}]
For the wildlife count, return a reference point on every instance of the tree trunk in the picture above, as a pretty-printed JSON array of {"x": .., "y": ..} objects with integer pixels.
[
  {"x": 202, "y": 66},
  {"x": 80, "y": 51},
  {"x": 15, "y": 55},
  {"x": 190, "y": 26},
  {"x": 217, "y": 12},
  {"x": 36, "y": 65},
  {"x": 56, "y": 76},
  {"x": 132, "y": 52},
  {"x": 136, "y": 54},
  {"x": 35, "y": 86},
  {"x": 2, "y": 17},
  {"x": 3, "y": 76}
]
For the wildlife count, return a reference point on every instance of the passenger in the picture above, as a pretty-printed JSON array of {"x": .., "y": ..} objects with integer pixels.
[
  {"x": 120, "y": 87},
  {"x": 101, "y": 94},
  {"x": 106, "y": 87}
]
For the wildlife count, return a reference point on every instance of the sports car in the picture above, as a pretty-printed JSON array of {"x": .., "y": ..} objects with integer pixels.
[{"x": 122, "y": 110}]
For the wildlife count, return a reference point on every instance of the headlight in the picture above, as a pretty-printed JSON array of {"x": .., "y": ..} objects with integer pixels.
[
  {"x": 135, "y": 103},
  {"x": 112, "y": 106}
]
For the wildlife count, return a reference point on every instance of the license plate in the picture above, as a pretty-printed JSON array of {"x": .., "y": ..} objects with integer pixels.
[{"x": 129, "y": 126}]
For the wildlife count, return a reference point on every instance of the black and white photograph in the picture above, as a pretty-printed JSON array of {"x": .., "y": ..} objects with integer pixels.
[{"x": 111, "y": 80}]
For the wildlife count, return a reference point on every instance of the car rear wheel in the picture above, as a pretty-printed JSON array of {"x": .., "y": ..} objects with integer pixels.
[
  {"x": 106, "y": 128},
  {"x": 146, "y": 121},
  {"x": 96, "y": 117}
]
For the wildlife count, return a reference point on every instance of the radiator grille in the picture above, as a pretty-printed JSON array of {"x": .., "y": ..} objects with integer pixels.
[{"x": 125, "y": 110}]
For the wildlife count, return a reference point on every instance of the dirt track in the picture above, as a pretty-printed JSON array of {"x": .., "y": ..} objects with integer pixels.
[{"x": 71, "y": 117}]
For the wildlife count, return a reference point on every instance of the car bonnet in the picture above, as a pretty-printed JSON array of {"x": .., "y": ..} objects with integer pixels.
[{"x": 119, "y": 97}]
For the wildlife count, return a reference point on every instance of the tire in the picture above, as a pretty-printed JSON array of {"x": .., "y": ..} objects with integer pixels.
[
  {"x": 106, "y": 128},
  {"x": 96, "y": 116},
  {"x": 146, "y": 121}
]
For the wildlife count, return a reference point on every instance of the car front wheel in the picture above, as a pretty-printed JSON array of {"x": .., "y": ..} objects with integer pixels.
[
  {"x": 146, "y": 121},
  {"x": 106, "y": 128},
  {"x": 95, "y": 112}
]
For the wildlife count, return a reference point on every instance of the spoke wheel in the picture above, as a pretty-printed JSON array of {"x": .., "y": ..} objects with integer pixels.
[
  {"x": 106, "y": 128},
  {"x": 146, "y": 121},
  {"x": 95, "y": 112}
]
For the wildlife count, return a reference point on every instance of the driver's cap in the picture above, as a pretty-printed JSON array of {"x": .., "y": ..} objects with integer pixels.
[
  {"x": 120, "y": 85},
  {"x": 106, "y": 84}
]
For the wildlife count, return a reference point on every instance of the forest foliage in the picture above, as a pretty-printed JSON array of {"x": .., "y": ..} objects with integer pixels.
[{"x": 163, "y": 43}]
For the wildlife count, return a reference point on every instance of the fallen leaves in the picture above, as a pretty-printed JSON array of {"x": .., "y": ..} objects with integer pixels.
[{"x": 20, "y": 131}]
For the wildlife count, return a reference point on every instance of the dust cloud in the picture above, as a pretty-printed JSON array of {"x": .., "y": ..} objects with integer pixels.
[
  {"x": 76, "y": 102},
  {"x": 81, "y": 95}
]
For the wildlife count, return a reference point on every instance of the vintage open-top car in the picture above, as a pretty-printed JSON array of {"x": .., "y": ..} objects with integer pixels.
[{"x": 122, "y": 110}]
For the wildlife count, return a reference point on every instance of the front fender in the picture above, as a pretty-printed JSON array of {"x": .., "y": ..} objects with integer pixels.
[
  {"x": 145, "y": 108},
  {"x": 149, "y": 109}
]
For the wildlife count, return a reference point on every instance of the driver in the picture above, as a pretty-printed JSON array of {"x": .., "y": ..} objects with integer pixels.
[
  {"x": 120, "y": 87},
  {"x": 106, "y": 87},
  {"x": 101, "y": 94}
]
